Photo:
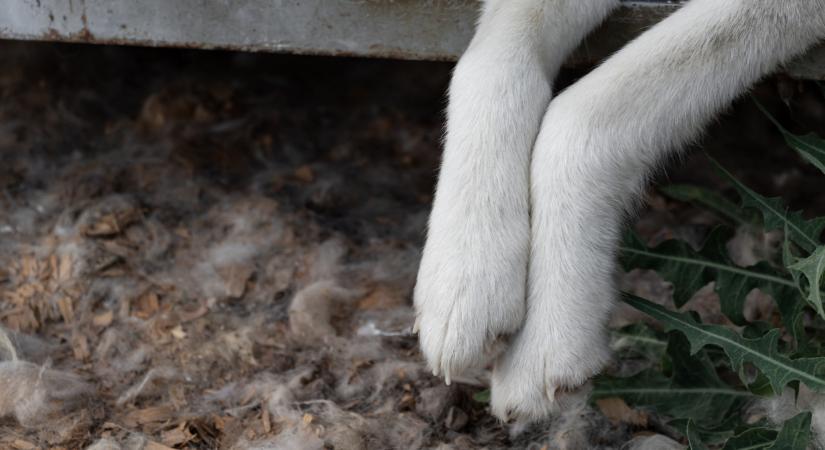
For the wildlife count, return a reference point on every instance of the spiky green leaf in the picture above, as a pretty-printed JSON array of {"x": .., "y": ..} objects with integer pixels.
[
  {"x": 795, "y": 433},
  {"x": 708, "y": 199},
  {"x": 693, "y": 391},
  {"x": 694, "y": 441},
  {"x": 758, "y": 438},
  {"x": 652, "y": 389},
  {"x": 813, "y": 269},
  {"x": 689, "y": 271},
  {"x": 718, "y": 434},
  {"x": 810, "y": 146},
  {"x": 804, "y": 233},
  {"x": 763, "y": 352},
  {"x": 792, "y": 311},
  {"x": 638, "y": 340}
]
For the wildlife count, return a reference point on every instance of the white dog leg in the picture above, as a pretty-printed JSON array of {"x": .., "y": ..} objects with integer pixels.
[
  {"x": 598, "y": 142},
  {"x": 471, "y": 283}
]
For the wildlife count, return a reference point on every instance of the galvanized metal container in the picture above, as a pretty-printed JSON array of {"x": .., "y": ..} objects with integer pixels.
[{"x": 409, "y": 29}]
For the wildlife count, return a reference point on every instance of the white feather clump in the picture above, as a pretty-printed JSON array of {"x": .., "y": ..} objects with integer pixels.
[{"x": 30, "y": 392}]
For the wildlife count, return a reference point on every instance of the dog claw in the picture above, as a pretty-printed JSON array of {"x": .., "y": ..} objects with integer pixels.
[{"x": 550, "y": 392}]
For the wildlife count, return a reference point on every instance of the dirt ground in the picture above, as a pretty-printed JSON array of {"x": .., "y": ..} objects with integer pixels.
[{"x": 216, "y": 250}]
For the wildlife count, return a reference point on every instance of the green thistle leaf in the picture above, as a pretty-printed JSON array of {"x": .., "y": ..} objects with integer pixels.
[
  {"x": 763, "y": 352},
  {"x": 759, "y": 438},
  {"x": 810, "y": 146},
  {"x": 813, "y": 269},
  {"x": 689, "y": 271},
  {"x": 795, "y": 433},
  {"x": 709, "y": 199},
  {"x": 693, "y": 391},
  {"x": 638, "y": 340},
  {"x": 694, "y": 442},
  {"x": 804, "y": 233}
]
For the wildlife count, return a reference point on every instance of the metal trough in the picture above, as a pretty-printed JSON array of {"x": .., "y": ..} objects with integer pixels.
[{"x": 408, "y": 29}]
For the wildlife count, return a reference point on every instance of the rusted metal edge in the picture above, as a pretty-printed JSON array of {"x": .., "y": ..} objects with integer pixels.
[{"x": 405, "y": 29}]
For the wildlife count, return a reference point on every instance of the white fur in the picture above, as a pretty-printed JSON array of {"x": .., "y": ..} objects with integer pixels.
[
  {"x": 597, "y": 144},
  {"x": 471, "y": 283}
]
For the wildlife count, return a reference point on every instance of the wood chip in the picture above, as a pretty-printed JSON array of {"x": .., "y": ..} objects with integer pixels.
[
  {"x": 146, "y": 305},
  {"x": 149, "y": 415},
  {"x": 615, "y": 409},
  {"x": 65, "y": 267},
  {"x": 235, "y": 278},
  {"x": 265, "y": 420},
  {"x": 407, "y": 402},
  {"x": 28, "y": 266},
  {"x": 183, "y": 233},
  {"x": 103, "y": 319},
  {"x": 21, "y": 318},
  {"x": 304, "y": 174},
  {"x": 53, "y": 265},
  {"x": 80, "y": 347},
  {"x": 307, "y": 419},
  {"x": 151, "y": 445},
  {"x": 187, "y": 314},
  {"x": 177, "y": 436},
  {"x": 25, "y": 292},
  {"x": 112, "y": 224},
  {"x": 23, "y": 445},
  {"x": 66, "y": 307},
  {"x": 381, "y": 299}
]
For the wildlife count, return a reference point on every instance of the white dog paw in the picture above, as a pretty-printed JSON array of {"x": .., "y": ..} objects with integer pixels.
[
  {"x": 470, "y": 290},
  {"x": 544, "y": 361},
  {"x": 532, "y": 375}
]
